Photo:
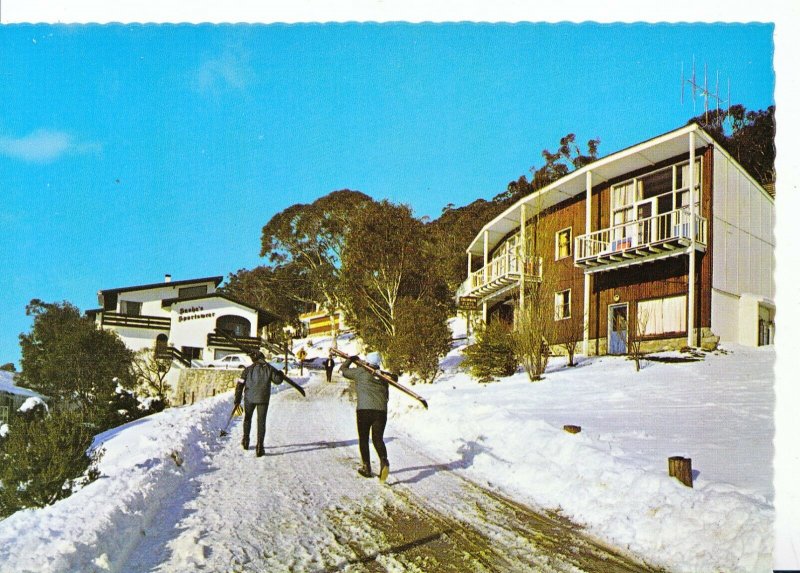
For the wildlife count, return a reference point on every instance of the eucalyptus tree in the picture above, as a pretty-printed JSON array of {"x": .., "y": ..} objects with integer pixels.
[{"x": 304, "y": 245}]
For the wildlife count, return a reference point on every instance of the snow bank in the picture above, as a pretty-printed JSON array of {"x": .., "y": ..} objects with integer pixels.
[
  {"x": 146, "y": 462},
  {"x": 509, "y": 435}
]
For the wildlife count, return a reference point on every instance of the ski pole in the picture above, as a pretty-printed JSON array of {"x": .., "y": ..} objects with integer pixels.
[{"x": 224, "y": 431}]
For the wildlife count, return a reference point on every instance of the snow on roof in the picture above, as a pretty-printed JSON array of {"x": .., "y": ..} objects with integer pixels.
[{"x": 7, "y": 385}]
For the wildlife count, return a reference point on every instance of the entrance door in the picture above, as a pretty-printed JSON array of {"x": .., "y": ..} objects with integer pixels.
[{"x": 618, "y": 329}]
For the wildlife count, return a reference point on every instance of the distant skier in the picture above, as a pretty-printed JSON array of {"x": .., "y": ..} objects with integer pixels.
[
  {"x": 329, "y": 364},
  {"x": 256, "y": 385},
  {"x": 372, "y": 398}
]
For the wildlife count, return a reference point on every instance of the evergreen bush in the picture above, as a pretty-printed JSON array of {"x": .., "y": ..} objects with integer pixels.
[
  {"x": 492, "y": 355},
  {"x": 421, "y": 338},
  {"x": 43, "y": 460}
]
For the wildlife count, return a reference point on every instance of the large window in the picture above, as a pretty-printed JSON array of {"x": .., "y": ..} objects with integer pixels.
[
  {"x": 563, "y": 304},
  {"x": 652, "y": 194},
  {"x": 564, "y": 243},
  {"x": 234, "y": 325},
  {"x": 131, "y": 308},
  {"x": 188, "y": 292},
  {"x": 662, "y": 315}
]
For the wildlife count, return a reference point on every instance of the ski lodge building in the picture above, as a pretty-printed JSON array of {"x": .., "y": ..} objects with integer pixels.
[
  {"x": 178, "y": 319},
  {"x": 12, "y": 397},
  {"x": 320, "y": 322},
  {"x": 670, "y": 241}
]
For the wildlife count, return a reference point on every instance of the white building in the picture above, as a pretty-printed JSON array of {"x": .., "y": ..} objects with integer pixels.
[{"x": 179, "y": 318}]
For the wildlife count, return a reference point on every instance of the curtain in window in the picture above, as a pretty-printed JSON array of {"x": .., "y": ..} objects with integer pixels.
[
  {"x": 684, "y": 182},
  {"x": 662, "y": 315},
  {"x": 624, "y": 194}
]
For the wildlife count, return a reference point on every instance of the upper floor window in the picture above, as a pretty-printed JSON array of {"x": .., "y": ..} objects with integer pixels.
[
  {"x": 234, "y": 325},
  {"x": 654, "y": 193},
  {"x": 131, "y": 308},
  {"x": 188, "y": 292},
  {"x": 564, "y": 243}
]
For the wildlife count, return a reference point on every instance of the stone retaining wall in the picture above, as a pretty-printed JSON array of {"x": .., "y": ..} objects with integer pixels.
[{"x": 198, "y": 383}]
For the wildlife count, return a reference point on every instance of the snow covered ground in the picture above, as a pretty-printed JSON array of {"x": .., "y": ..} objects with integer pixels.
[{"x": 161, "y": 504}]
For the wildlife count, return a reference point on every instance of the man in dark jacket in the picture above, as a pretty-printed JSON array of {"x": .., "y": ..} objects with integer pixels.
[
  {"x": 372, "y": 395},
  {"x": 329, "y": 364},
  {"x": 256, "y": 386}
]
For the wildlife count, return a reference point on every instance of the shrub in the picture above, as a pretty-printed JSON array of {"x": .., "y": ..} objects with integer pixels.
[
  {"x": 421, "y": 338},
  {"x": 492, "y": 355},
  {"x": 43, "y": 460}
]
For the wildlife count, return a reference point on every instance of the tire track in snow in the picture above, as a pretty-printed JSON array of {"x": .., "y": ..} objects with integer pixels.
[{"x": 302, "y": 508}]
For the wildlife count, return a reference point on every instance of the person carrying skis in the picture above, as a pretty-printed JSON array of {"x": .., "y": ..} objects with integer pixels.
[
  {"x": 372, "y": 397},
  {"x": 329, "y": 364},
  {"x": 256, "y": 385}
]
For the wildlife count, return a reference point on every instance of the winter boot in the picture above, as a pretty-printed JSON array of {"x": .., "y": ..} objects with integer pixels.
[
  {"x": 259, "y": 450},
  {"x": 246, "y": 443},
  {"x": 365, "y": 471},
  {"x": 384, "y": 471}
]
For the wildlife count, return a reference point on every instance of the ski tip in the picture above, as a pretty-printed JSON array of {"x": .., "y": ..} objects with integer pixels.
[{"x": 424, "y": 403}]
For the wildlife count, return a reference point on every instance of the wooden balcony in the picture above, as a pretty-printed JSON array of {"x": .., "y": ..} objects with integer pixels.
[
  {"x": 218, "y": 341},
  {"x": 501, "y": 273},
  {"x": 135, "y": 321},
  {"x": 172, "y": 353},
  {"x": 661, "y": 236}
]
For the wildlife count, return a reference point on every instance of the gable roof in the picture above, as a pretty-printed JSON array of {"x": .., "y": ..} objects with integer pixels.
[
  {"x": 7, "y": 386},
  {"x": 642, "y": 155},
  {"x": 216, "y": 280}
]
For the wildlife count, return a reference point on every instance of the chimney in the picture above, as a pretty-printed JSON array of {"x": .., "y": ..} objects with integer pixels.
[{"x": 167, "y": 278}]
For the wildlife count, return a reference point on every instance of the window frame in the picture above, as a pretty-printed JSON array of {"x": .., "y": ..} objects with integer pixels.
[
  {"x": 559, "y": 308},
  {"x": 125, "y": 307},
  {"x": 569, "y": 243},
  {"x": 628, "y": 210},
  {"x": 664, "y": 333}
]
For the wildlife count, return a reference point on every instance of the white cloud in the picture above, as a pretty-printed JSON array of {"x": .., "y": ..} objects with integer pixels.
[
  {"x": 222, "y": 73},
  {"x": 43, "y": 146}
]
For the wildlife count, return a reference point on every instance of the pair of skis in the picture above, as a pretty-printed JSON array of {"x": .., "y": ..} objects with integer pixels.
[
  {"x": 388, "y": 379},
  {"x": 250, "y": 350}
]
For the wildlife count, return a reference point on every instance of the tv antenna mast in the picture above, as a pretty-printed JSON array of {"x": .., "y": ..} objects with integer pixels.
[{"x": 704, "y": 93}]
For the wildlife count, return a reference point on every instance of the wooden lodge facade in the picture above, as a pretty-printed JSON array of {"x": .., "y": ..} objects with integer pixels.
[{"x": 626, "y": 246}]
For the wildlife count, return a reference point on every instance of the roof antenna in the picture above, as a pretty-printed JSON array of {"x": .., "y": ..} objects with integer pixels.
[{"x": 703, "y": 91}]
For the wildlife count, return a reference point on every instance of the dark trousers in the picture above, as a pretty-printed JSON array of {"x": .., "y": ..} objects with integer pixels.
[
  {"x": 329, "y": 373},
  {"x": 261, "y": 421},
  {"x": 374, "y": 420}
]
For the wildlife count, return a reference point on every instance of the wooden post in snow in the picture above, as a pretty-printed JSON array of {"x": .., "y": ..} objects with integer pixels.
[
  {"x": 681, "y": 468},
  {"x": 572, "y": 429}
]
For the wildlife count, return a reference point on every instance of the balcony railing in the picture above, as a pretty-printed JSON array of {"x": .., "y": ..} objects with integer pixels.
[
  {"x": 172, "y": 353},
  {"x": 645, "y": 238},
  {"x": 501, "y": 272},
  {"x": 136, "y": 321},
  {"x": 219, "y": 341}
]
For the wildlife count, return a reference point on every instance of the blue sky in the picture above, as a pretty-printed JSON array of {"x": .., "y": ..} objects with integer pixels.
[{"x": 131, "y": 151}]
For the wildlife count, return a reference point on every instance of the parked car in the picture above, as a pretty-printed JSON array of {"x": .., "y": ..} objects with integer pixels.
[
  {"x": 231, "y": 361},
  {"x": 279, "y": 363}
]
